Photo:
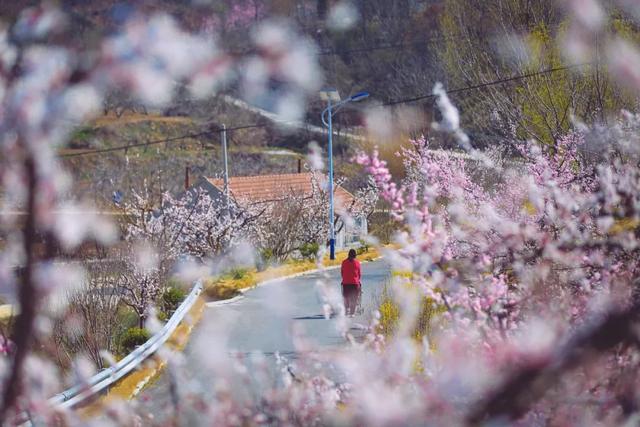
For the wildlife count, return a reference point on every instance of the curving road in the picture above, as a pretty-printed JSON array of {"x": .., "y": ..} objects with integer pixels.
[{"x": 267, "y": 321}]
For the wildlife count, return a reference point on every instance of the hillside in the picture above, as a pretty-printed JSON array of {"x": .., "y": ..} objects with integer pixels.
[
  {"x": 391, "y": 51},
  {"x": 163, "y": 165},
  {"x": 386, "y": 53}
]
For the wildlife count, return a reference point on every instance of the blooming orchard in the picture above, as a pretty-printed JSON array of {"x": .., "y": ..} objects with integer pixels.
[
  {"x": 528, "y": 262},
  {"x": 192, "y": 224}
]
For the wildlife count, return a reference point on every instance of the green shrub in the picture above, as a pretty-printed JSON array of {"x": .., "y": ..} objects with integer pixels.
[
  {"x": 127, "y": 318},
  {"x": 237, "y": 273},
  {"x": 132, "y": 338},
  {"x": 383, "y": 228},
  {"x": 173, "y": 282},
  {"x": 171, "y": 299},
  {"x": 81, "y": 137},
  {"x": 265, "y": 259},
  {"x": 309, "y": 250},
  {"x": 363, "y": 248}
]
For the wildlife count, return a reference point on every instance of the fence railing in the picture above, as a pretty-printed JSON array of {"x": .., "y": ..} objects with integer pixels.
[{"x": 107, "y": 377}]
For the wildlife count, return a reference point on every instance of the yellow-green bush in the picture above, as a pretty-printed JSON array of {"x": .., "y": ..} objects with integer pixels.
[
  {"x": 132, "y": 338},
  {"x": 390, "y": 316},
  {"x": 171, "y": 299}
]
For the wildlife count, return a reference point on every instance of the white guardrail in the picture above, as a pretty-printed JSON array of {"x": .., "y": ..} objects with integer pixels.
[{"x": 105, "y": 378}]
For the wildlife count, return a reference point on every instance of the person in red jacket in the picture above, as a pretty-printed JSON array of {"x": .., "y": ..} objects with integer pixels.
[{"x": 351, "y": 282}]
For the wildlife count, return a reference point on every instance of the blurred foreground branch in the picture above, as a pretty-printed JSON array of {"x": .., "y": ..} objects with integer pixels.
[{"x": 524, "y": 387}]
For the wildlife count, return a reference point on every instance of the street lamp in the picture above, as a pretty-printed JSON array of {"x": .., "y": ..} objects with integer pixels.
[{"x": 333, "y": 105}]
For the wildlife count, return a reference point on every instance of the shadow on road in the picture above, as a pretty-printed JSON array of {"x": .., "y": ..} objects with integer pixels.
[{"x": 316, "y": 317}]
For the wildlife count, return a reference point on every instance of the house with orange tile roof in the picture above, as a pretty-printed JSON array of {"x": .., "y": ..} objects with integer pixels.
[{"x": 262, "y": 190}]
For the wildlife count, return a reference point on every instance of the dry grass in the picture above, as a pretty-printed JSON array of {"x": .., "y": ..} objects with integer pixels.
[{"x": 126, "y": 119}]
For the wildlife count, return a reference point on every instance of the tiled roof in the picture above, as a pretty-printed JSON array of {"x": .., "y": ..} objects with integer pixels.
[{"x": 268, "y": 188}]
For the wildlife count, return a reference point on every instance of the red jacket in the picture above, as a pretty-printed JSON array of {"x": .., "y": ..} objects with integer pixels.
[{"x": 350, "y": 272}]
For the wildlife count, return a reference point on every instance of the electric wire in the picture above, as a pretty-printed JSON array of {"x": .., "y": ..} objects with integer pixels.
[{"x": 488, "y": 84}]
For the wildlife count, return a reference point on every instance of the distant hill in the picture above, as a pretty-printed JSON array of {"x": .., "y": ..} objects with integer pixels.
[{"x": 384, "y": 53}]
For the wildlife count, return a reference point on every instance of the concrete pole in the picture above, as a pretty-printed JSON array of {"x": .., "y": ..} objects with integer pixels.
[{"x": 226, "y": 164}]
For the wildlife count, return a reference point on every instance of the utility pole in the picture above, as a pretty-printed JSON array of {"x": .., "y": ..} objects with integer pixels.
[{"x": 226, "y": 164}]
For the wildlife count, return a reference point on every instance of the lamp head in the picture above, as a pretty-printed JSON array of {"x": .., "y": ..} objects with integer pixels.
[
  {"x": 330, "y": 94},
  {"x": 359, "y": 96}
]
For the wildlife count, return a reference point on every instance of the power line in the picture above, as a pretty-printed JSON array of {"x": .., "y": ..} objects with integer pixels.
[
  {"x": 241, "y": 127},
  {"x": 488, "y": 84},
  {"x": 141, "y": 144},
  {"x": 159, "y": 141},
  {"x": 388, "y": 103}
]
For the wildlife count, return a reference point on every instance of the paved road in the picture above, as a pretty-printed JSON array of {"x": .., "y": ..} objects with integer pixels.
[{"x": 271, "y": 320}]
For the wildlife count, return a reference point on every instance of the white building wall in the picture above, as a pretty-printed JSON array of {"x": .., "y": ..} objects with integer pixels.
[
  {"x": 349, "y": 237},
  {"x": 340, "y": 239}
]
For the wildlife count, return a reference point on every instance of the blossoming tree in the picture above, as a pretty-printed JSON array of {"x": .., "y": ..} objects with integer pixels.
[
  {"x": 535, "y": 275},
  {"x": 532, "y": 281}
]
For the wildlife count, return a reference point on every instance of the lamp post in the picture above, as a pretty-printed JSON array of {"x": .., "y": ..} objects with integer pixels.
[{"x": 333, "y": 105}]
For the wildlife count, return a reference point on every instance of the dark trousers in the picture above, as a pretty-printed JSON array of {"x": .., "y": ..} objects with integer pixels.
[{"x": 350, "y": 293}]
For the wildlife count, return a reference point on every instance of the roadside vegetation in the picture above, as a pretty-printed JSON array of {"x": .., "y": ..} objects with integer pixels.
[
  {"x": 390, "y": 313},
  {"x": 233, "y": 282}
]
